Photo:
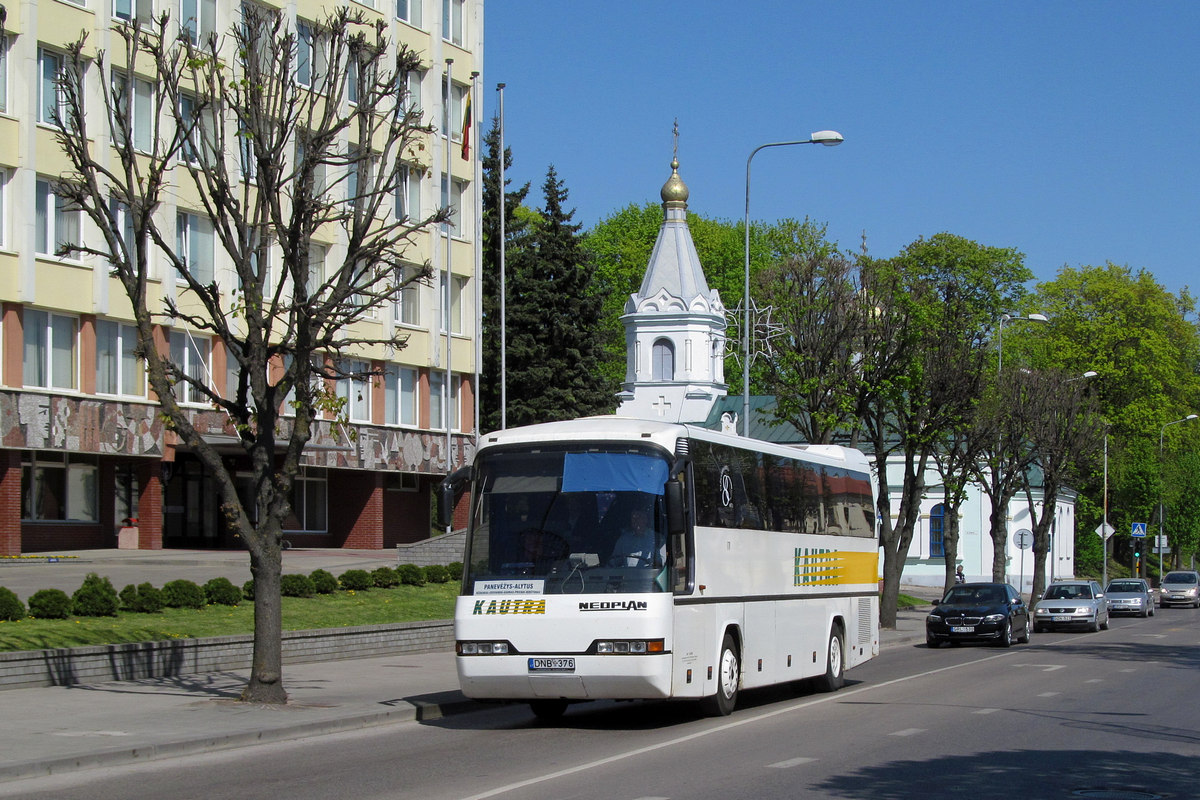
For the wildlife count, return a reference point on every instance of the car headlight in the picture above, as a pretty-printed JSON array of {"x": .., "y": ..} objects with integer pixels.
[
  {"x": 1192, "y": 591},
  {"x": 994, "y": 618},
  {"x": 1084, "y": 610},
  {"x": 933, "y": 618}
]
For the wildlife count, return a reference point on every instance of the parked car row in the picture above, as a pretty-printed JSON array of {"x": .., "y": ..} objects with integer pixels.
[{"x": 995, "y": 612}]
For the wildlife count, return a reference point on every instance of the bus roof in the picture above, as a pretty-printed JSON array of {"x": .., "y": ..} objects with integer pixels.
[{"x": 663, "y": 435}]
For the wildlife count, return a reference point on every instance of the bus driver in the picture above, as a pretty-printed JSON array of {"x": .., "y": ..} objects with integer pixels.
[{"x": 638, "y": 546}]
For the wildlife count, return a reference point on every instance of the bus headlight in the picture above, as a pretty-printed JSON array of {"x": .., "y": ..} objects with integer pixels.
[{"x": 625, "y": 647}]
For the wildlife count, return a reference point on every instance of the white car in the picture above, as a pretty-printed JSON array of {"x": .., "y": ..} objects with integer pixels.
[
  {"x": 1072, "y": 604},
  {"x": 1181, "y": 587}
]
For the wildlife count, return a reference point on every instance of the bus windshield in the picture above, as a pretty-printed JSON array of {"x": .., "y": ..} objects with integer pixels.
[{"x": 568, "y": 521}]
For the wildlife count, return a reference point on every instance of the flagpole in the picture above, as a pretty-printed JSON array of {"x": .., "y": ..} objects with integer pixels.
[
  {"x": 477, "y": 180},
  {"x": 503, "y": 319},
  {"x": 447, "y": 394}
]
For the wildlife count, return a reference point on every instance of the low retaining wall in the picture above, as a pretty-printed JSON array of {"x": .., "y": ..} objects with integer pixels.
[{"x": 27, "y": 669}]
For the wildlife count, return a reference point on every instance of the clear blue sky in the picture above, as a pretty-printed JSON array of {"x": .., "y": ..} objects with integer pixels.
[{"x": 1067, "y": 130}]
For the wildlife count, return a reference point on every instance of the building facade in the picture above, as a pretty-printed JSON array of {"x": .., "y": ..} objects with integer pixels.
[{"x": 85, "y": 461}]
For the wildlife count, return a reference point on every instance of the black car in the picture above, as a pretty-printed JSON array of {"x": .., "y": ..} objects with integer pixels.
[{"x": 978, "y": 612}]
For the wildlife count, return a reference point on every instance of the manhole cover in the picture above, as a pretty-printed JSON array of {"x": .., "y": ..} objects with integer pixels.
[{"x": 1116, "y": 794}]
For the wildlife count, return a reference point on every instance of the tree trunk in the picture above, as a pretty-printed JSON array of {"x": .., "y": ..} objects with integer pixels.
[
  {"x": 266, "y": 669},
  {"x": 999, "y": 534},
  {"x": 950, "y": 537}
]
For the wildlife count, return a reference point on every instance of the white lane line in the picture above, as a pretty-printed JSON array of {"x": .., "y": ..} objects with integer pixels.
[
  {"x": 986, "y": 711},
  {"x": 1095, "y": 680},
  {"x": 907, "y": 732},
  {"x": 791, "y": 762},
  {"x": 828, "y": 698},
  {"x": 1049, "y": 694}
]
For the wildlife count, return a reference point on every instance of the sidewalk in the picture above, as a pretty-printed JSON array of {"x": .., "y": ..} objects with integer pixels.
[{"x": 61, "y": 729}]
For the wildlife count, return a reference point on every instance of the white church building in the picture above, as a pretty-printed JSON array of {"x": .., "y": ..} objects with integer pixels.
[{"x": 675, "y": 334}]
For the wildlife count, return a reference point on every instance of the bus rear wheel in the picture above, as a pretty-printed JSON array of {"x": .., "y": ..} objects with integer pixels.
[
  {"x": 835, "y": 666},
  {"x": 729, "y": 677}
]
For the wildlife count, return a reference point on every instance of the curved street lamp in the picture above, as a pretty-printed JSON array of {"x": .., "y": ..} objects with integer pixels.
[
  {"x": 1162, "y": 528},
  {"x": 827, "y": 138},
  {"x": 1000, "y": 332}
]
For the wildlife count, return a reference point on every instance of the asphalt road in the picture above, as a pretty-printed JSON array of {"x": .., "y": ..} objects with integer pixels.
[{"x": 1109, "y": 714}]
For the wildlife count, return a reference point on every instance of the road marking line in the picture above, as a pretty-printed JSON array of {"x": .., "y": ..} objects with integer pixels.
[
  {"x": 986, "y": 711},
  {"x": 1095, "y": 680},
  {"x": 791, "y": 762},
  {"x": 907, "y": 732},
  {"x": 1049, "y": 694},
  {"x": 1043, "y": 667}
]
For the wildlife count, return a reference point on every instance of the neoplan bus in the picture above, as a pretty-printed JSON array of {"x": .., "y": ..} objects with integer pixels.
[{"x": 763, "y": 567}]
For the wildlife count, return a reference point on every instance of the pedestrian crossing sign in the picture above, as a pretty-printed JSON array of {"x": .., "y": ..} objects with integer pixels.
[{"x": 1139, "y": 530}]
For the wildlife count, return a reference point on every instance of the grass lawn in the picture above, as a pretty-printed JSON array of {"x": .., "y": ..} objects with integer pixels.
[{"x": 338, "y": 610}]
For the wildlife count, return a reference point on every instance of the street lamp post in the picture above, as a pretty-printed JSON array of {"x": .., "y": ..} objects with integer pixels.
[
  {"x": 827, "y": 138},
  {"x": 1000, "y": 333},
  {"x": 1162, "y": 529}
]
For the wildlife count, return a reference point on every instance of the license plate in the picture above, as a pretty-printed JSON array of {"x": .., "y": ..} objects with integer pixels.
[
  {"x": 1062, "y": 618},
  {"x": 551, "y": 665},
  {"x": 963, "y": 629}
]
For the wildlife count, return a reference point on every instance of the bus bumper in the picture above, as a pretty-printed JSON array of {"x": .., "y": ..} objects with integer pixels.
[{"x": 594, "y": 677}]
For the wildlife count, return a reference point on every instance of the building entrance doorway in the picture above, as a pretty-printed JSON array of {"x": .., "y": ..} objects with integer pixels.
[{"x": 189, "y": 506}]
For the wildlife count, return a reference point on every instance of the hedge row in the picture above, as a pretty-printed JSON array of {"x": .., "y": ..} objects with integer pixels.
[{"x": 97, "y": 597}]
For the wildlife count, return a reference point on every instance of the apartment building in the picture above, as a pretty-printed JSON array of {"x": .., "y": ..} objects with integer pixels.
[{"x": 85, "y": 461}]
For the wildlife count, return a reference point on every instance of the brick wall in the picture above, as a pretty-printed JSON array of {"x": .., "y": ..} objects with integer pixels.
[{"x": 10, "y": 502}]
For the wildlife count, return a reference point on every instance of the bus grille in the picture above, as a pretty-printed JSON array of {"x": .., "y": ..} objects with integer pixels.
[{"x": 864, "y": 620}]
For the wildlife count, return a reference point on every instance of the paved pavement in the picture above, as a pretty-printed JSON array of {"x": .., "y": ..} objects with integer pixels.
[{"x": 60, "y": 729}]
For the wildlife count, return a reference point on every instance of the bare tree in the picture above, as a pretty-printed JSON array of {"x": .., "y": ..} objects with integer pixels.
[{"x": 277, "y": 153}]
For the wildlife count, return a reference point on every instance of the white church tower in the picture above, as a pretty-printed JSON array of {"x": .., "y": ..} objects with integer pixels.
[{"x": 674, "y": 326}]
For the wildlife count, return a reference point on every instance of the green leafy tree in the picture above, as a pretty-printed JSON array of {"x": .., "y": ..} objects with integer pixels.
[
  {"x": 515, "y": 226},
  {"x": 555, "y": 314}
]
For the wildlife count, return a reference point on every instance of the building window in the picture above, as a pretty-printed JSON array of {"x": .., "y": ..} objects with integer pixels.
[
  {"x": 452, "y": 111},
  {"x": 191, "y": 355},
  {"x": 200, "y": 143},
  {"x": 197, "y": 19},
  {"x": 662, "y": 366},
  {"x": 458, "y": 286},
  {"x": 194, "y": 246},
  {"x": 141, "y": 115},
  {"x": 441, "y": 406},
  {"x": 409, "y": 11},
  {"x": 410, "y": 102},
  {"x": 453, "y": 198},
  {"x": 452, "y": 21},
  {"x": 50, "y": 98},
  {"x": 400, "y": 395},
  {"x": 310, "y": 494},
  {"x": 408, "y": 193},
  {"x": 118, "y": 369},
  {"x": 3, "y": 207},
  {"x": 408, "y": 304},
  {"x": 125, "y": 9},
  {"x": 59, "y": 486},
  {"x": 356, "y": 391},
  {"x": 51, "y": 353},
  {"x": 3, "y": 73},
  {"x": 937, "y": 526},
  {"x": 310, "y": 55},
  {"x": 57, "y": 224}
]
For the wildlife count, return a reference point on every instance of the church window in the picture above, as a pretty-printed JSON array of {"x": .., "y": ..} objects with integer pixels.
[{"x": 663, "y": 361}]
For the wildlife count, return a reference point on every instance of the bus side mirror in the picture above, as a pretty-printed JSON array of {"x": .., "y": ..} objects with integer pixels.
[
  {"x": 676, "y": 520},
  {"x": 450, "y": 491}
]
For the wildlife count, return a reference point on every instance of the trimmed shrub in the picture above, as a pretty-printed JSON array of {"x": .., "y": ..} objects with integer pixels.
[
  {"x": 436, "y": 573},
  {"x": 182, "y": 593},
  {"x": 411, "y": 575},
  {"x": 143, "y": 598},
  {"x": 355, "y": 580},
  {"x": 248, "y": 589},
  {"x": 385, "y": 578},
  {"x": 95, "y": 598},
  {"x": 222, "y": 592},
  {"x": 49, "y": 604},
  {"x": 296, "y": 585},
  {"x": 324, "y": 581},
  {"x": 11, "y": 607},
  {"x": 454, "y": 569}
]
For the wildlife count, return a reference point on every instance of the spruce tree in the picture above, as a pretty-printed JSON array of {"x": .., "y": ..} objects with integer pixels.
[
  {"x": 514, "y": 230},
  {"x": 555, "y": 312}
]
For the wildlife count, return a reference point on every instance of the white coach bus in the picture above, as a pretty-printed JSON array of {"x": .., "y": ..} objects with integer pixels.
[{"x": 622, "y": 558}]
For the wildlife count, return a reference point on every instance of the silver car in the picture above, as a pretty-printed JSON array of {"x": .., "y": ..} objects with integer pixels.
[
  {"x": 1181, "y": 587},
  {"x": 1130, "y": 596},
  {"x": 1072, "y": 604}
]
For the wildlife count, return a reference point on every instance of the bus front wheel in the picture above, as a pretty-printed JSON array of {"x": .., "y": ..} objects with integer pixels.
[
  {"x": 729, "y": 676},
  {"x": 835, "y": 667}
]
